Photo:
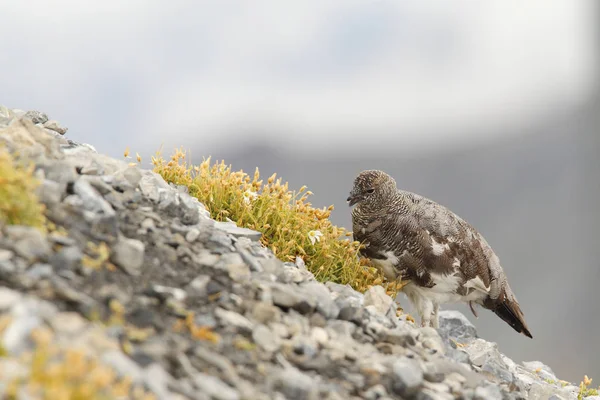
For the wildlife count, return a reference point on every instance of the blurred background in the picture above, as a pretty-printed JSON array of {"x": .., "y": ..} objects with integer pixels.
[{"x": 490, "y": 108}]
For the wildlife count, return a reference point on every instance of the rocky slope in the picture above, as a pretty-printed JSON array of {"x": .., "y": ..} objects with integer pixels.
[{"x": 162, "y": 302}]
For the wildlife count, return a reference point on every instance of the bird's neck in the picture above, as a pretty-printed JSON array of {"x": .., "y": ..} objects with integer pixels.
[{"x": 395, "y": 202}]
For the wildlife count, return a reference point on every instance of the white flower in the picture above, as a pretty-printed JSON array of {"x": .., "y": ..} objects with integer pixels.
[
  {"x": 314, "y": 236},
  {"x": 249, "y": 195}
]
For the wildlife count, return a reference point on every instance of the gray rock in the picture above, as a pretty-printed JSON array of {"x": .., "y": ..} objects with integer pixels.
[
  {"x": 93, "y": 202},
  {"x": 8, "y": 268},
  {"x": 290, "y": 273},
  {"x": 123, "y": 365},
  {"x": 5, "y": 116},
  {"x": 252, "y": 262},
  {"x": 60, "y": 172},
  {"x": 378, "y": 298},
  {"x": 198, "y": 285},
  {"x": 148, "y": 224},
  {"x": 407, "y": 376},
  {"x": 290, "y": 296},
  {"x": 55, "y": 126},
  {"x": 59, "y": 239},
  {"x": 541, "y": 369},
  {"x": 304, "y": 346},
  {"x": 131, "y": 174},
  {"x": 376, "y": 330},
  {"x": 455, "y": 326},
  {"x": 207, "y": 320},
  {"x": 57, "y": 136},
  {"x": 40, "y": 271},
  {"x": 68, "y": 323},
  {"x": 36, "y": 117},
  {"x": 331, "y": 395},
  {"x": 230, "y": 318},
  {"x": 371, "y": 314},
  {"x": 128, "y": 254},
  {"x": 191, "y": 209},
  {"x": 403, "y": 336},
  {"x": 92, "y": 167},
  {"x": 488, "y": 392},
  {"x": 325, "y": 304},
  {"x": 220, "y": 242},
  {"x": 541, "y": 390},
  {"x": 218, "y": 361},
  {"x": 50, "y": 192},
  {"x": 69, "y": 257},
  {"x": 206, "y": 258},
  {"x": 266, "y": 339},
  {"x": 6, "y": 255},
  {"x": 430, "y": 339},
  {"x": 28, "y": 242},
  {"x": 265, "y": 313},
  {"x": 8, "y": 298},
  {"x": 454, "y": 381},
  {"x": 353, "y": 314},
  {"x": 341, "y": 328},
  {"x": 16, "y": 338},
  {"x": 376, "y": 392},
  {"x": 152, "y": 184},
  {"x": 168, "y": 202},
  {"x": 344, "y": 295},
  {"x": 458, "y": 355},
  {"x": 76, "y": 148},
  {"x": 486, "y": 356},
  {"x": 236, "y": 268},
  {"x": 192, "y": 235},
  {"x": 214, "y": 387},
  {"x": 232, "y": 229},
  {"x": 300, "y": 264},
  {"x": 157, "y": 380},
  {"x": 166, "y": 292},
  {"x": 457, "y": 373},
  {"x": 294, "y": 384},
  {"x": 121, "y": 184},
  {"x": 271, "y": 266}
]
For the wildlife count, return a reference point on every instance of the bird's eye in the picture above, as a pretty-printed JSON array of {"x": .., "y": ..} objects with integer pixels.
[{"x": 370, "y": 191}]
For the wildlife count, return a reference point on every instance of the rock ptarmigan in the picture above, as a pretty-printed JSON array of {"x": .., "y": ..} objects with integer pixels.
[{"x": 443, "y": 258}]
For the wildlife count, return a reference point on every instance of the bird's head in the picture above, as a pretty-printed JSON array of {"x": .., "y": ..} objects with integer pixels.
[{"x": 370, "y": 187}]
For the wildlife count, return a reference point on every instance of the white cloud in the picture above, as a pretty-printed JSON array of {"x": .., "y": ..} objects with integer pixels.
[{"x": 186, "y": 70}]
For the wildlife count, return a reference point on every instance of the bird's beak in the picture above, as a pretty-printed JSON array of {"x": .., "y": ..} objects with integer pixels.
[{"x": 352, "y": 200}]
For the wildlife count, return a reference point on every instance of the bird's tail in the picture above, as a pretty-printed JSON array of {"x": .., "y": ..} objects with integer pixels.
[{"x": 510, "y": 311}]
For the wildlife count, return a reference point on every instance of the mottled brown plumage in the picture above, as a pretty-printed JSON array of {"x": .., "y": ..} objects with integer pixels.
[{"x": 443, "y": 257}]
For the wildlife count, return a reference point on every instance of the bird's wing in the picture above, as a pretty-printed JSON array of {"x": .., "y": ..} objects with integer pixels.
[
  {"x": 475, "y": 263},
  {"x": 455, "y": 241},
  {"x": 398, "y": 239}
]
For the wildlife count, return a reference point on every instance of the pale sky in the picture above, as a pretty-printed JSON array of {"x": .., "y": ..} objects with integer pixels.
[{"x": 140, "y": 73}]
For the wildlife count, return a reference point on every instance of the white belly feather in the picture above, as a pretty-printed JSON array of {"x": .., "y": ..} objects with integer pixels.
[{"x": 445, "y": 290}]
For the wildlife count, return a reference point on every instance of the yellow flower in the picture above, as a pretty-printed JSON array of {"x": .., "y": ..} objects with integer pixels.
[
  {"x": 249, "y": 196},
  {"x": 314, "y": 236}
]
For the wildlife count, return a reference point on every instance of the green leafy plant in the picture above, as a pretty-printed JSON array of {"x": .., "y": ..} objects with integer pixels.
[
  {"x": 585, "y": 390},
  {"x": 19, "y": 204},
  {"x": 291, "y": 227}
]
